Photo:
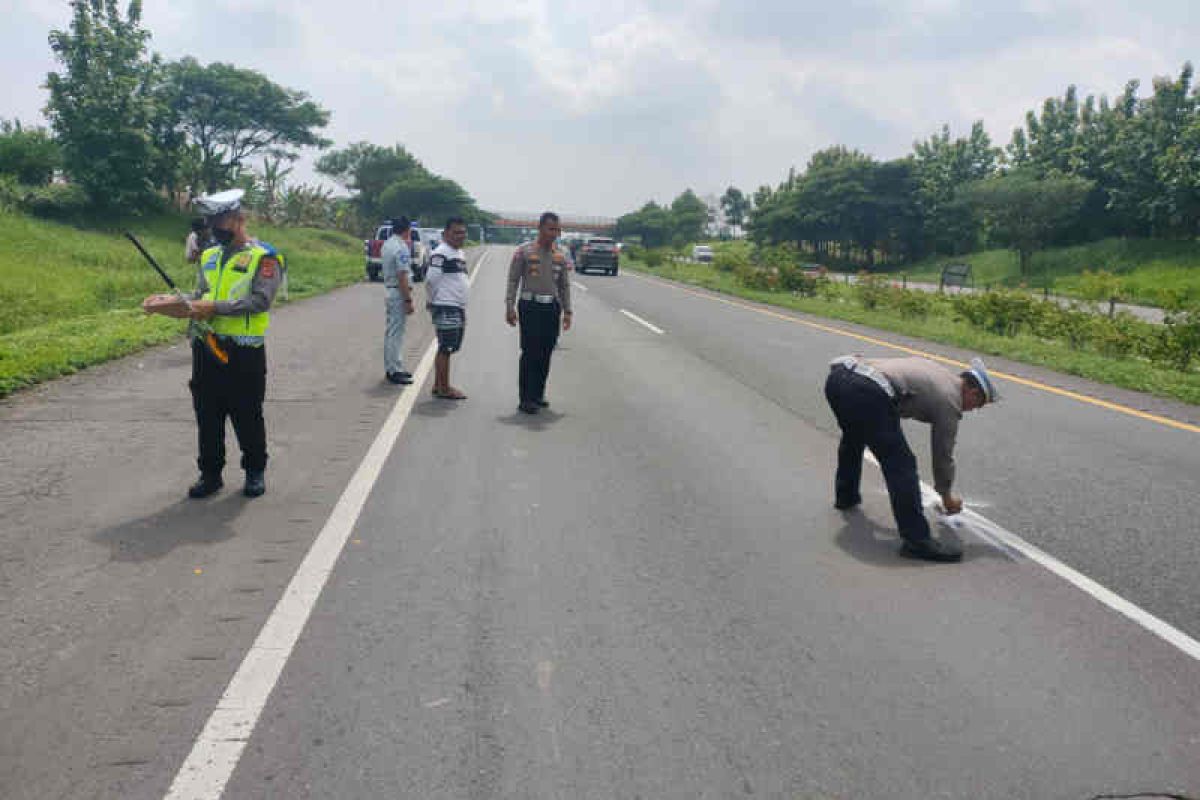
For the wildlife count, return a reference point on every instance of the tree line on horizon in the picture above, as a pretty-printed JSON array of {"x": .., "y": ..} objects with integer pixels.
[
  {"x": 1075, "y": 171},
  {"x": 130, "y": 131}
]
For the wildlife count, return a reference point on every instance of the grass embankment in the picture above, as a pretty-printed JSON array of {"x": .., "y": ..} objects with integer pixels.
[
  {"x": 945, "y": 328},
  {"x": 1146, "y": 267},
  {"x": 70, "y": 297}
]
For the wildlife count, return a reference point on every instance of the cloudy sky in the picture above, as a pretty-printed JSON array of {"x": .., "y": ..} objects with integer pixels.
[{"x": 595, "y": 107}]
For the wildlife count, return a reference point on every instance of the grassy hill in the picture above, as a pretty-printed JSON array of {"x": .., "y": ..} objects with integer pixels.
[
  {"x": 1146, "y": 267},
  {"x": 70, "y": 297}
]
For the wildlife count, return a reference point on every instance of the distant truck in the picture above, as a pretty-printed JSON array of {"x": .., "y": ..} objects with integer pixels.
[{"x": 373, "y": 250}]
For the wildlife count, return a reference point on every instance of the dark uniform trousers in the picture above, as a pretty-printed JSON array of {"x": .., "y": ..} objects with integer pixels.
[
  {"x": 869, "y": 418},
  {"x": 234, "y": 390},
  {"x": 539, "y": 335}
]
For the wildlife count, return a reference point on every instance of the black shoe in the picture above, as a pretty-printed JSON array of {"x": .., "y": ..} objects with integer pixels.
[
  {"x": 846, "y": 503},
  {"x": 256, "y": 483},
  {"x": 543, "y": 403},
  {"x": 402, "y": 378},
  {"x": 931, "y": 549},
  {"x": 209, "y": 483},
  {"x": 529, "y": 407}
]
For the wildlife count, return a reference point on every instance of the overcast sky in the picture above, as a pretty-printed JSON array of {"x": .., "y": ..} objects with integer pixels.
[{"x": 595, "y": 107}]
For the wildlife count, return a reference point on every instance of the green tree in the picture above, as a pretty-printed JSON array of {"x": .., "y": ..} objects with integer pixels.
[
  {"x": 367, "y": 170},
  {"x": 1024, "y": 212},
  {"x": 232, "y": 115},
  {"x": 428, "y": 197},
  {"x": 651, "y": 222},
  {"x": 689, "y": 215},
  {"x": 942, "y": 167},
  {"x": 102, "y": 104},
  {"x": 735, "y": 205},
  {"x": 27, "y": 154}
]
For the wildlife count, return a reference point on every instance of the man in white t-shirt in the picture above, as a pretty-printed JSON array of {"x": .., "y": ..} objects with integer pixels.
[
  {"x": 397, "y": 282},
  {"x": 447, "y": 286}
]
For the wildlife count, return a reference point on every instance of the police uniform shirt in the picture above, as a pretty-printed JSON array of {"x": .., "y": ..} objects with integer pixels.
[
  {"x": 928, "y": 393},
  {"x": 540, "y": 276}
]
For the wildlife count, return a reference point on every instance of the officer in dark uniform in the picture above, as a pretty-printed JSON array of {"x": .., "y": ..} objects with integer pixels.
[
  {"x": 238, "y": 279},
  {"x": 540, "y": 275}
]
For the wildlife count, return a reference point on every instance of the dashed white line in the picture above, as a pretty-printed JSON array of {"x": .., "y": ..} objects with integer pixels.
[
  {"x": 1010, "y": 543},
  {"x": 216, "y": 752},
  {"x": 641, "y": 321}
]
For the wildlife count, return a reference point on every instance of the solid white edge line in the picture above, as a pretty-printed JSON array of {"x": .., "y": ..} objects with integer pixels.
[
  {"x": 216, "y": 752},
  {"x": 1010, "y": 543},
  {"x": 641, "y": 321},
  {"x": 579, "y": 286}
]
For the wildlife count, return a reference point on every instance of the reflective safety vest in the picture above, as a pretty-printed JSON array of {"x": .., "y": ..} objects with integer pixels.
[
  {"x": 231, "y": 281},
  {"x": 533, "y": 258}
]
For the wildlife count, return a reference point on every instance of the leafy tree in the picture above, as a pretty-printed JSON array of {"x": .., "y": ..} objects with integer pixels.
[
  {"x": 27, "y": 154},
  {"x": 232, "y": 115},
  {"x": 428, "y": 197},
  {"x": 735, "y": 205},
  {"x": 689, "y": 215},
  {"x": 101, "y": 105},
  {"x": 651, "y": 222},
  {"x": 942, "y": 166},
  {"x": 367, "y": 170},
  {"x": 1024, "y": 212}
]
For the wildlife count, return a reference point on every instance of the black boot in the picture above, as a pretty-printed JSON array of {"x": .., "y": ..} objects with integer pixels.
[
  {"x": 930, "y": 549},
  {"x": 209, "y": 483},
  {"x": 256, "y": 483}
]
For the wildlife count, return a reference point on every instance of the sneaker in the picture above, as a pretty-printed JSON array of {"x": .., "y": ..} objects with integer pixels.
[
  {"x": 256, "y": 483},
  {"x": 402, "y": 378},
  {"x": 930, "y": 549},
  {"x": 209, "y": 483}
]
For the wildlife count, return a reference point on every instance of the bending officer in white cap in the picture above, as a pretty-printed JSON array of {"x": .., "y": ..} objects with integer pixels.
[{"x": 869, "y": 397}]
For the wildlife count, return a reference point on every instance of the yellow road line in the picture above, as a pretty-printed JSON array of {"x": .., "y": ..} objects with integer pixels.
[{"x": 1083, "y": 398}]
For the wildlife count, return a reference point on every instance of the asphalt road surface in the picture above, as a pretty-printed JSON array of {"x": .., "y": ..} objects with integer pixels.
[{"x": 643, "y": 592}]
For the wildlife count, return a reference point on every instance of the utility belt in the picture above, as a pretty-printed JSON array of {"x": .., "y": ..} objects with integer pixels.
[
  {"x": 539, "y": 298},
  {"x": 867, "y": 371}
]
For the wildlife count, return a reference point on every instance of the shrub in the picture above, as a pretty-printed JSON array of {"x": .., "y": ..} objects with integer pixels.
[
  {"x": 872, "y": 290},
  {"x": 56, "y": 201},
  {"x": 1102, "y": 286},
  {"x": 653, "y": 258}
]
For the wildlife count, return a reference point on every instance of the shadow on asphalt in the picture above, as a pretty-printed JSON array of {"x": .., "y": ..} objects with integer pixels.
[
  {"x": 184, "y": 522},
  {"x": 435, "y": 406},
  {"x": 874, "y": 544},
  {"x": 534, "y": 422}
]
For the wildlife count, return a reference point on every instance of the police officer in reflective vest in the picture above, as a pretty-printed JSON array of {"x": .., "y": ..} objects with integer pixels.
[
  {"x": 238, "y": 278},
  {"x": 540, "y": 275}
]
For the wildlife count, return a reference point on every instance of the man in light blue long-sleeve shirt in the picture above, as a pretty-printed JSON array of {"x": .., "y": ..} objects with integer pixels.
[{"x": 397, "y": 274}]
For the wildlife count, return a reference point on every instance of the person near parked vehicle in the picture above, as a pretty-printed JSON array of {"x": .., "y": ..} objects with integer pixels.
[
  {"x": 398, "y": 301},
  {"x": 197, "y": 241},
  {"x": 869, "y": 397},
  {"x": 540, "y": 275},
  {"x": 447, "y": 288},
  {"x": 238, "y": 278}
]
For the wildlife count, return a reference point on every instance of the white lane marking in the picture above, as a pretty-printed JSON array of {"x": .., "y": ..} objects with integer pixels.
[
  {"x": 216, "y": 752},
  {"x": 1010, "y": 543},
  {"x": 579, "y": 286},
  {"x": 641, "y": 321}
]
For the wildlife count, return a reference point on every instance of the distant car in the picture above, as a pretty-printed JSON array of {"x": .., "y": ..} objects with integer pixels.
[
  {"x": 598, "y": 252},
  {"x": 702, "y": 253}
]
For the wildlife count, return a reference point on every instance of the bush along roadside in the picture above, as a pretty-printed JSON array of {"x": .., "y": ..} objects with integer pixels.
[{"x": 1084, "y": 338}]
